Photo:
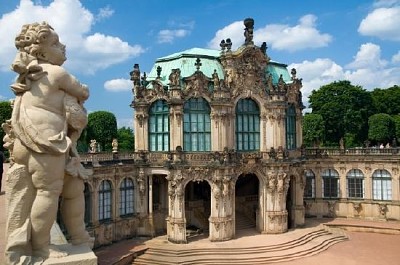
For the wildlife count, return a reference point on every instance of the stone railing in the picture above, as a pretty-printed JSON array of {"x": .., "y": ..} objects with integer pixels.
[
  {"x": 329, "y": 151},
  {"x": 231, "y": 157}
]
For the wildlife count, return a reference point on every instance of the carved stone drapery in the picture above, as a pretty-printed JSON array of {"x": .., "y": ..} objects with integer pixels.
[
  {"x": 223, "y": 117},
  {"x": 141, "y": 179},
  {"x": 175, "y": 188},
  {"x": 196, "y": 85},
  {"x": 383, "y": 209},
  {"x": 141, "y": 118},
  {"x": 357, "y": 206}
]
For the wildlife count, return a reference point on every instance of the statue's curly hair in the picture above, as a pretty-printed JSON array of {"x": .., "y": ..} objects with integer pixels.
[{"x": 31, "y": 36}]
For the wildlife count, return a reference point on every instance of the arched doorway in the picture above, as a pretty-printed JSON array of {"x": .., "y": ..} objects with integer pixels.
[
  {"x": 246, "y": 201},
  {"x": 197, "y": 208},
  {"x": 160, "y": 203},
  {"x": 290, "y": 198}
]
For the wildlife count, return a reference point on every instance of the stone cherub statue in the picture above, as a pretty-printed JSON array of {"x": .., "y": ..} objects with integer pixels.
[{"x": 47, "y": 119}]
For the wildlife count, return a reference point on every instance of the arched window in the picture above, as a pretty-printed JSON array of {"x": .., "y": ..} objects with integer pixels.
[
  {"x": 355, "y": 184},
  {"x": 291, "y": 127},
  {"x": 159, "y": 126},
  {"x": 247, "y": 125},
  {"x": 105, "y": 200},
  {"x": 309, "y": 189},
  {"x": 382, "y": 185},
  {"x": 126, "y": 197},
  {"x": 88, "y": 205},
  {"x": 330, "y": 183},
  {"x": 196, "y": 125}
]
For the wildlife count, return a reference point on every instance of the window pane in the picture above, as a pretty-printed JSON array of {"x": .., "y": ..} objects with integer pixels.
[{"x": 247, "y": 125}]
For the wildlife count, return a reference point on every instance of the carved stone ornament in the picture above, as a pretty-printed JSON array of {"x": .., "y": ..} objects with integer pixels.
[{"x": 196, "y": 85}]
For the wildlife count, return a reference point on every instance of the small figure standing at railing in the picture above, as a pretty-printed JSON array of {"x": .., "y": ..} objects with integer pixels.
[
  {"x": 115, "y": 145},
  {"x": 93, "y": 146}
]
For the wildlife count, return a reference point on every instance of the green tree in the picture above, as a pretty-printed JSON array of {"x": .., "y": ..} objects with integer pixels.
[
  {"x": 126, "y": 139},
  {"x": 313, "y": 129},
  {"x": 102, "y": 126},
  {"x": 5, "y": 114},
  {"x": 396, "y": 119},
  {"x": 386, "y": 100},
  {"x": 381, "y": 128},
  {"x": 345, "y": 109}
]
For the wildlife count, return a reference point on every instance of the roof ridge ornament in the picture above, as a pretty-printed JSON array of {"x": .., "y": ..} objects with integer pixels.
[
  {"x": 248, "y": 31},
  {"x": 198, "y": 64}
]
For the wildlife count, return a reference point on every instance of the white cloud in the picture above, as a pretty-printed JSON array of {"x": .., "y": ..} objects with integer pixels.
[
  {"x": 278, "y": 36},
  {"x": 117, "y": 85},
  {"x": 385, "y": 3},
  {"x": 396, "y": 58},
  {"x": 234, "y": 31},
  {"x": 382, "y": 23},
  {"x": 361, "y": 72},
  {"x": 104, "y": 13},
  {"x": 125, "y": 122},
  {"x": 317, "y": 73},
  {"x": 86, "y": 52},
  {"x": 168, "y": 35},
  {"x": 369, "y": 56}
]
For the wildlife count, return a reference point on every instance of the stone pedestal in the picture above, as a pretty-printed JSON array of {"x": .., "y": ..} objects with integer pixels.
[
  {"x": 176, "y": 230},
  {"x": 77, "y": 255},
  {"x": 221, "y": 228},
  {"x": 276, "y": 222}
]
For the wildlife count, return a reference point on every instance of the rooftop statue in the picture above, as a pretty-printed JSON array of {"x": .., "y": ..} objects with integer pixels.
[{"x": 48, "y": 117}]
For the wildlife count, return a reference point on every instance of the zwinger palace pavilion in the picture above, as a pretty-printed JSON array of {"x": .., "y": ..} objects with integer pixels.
[{"x": 218, "y": 147}]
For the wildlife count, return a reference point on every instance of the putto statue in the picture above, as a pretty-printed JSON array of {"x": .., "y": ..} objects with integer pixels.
[{"x": 47, "y": 119}]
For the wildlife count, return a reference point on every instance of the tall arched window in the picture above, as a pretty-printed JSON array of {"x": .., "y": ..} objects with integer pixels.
[
  {"x": 247, "y": 125},
  {"x": 105, "y": 200},
  {"x": 309, "y": 189},
  {"x": 159, "y": 126},
  {"x": 382, "y": 185},
  {"x": 196, "y": 125},
  {"x": 291, "y": 127},
  {"x": 355, "y": 184},
  {"x": 88, "y": 205},
  {"x": 330, "y": 183},
  {"x": 126, "y": 197}
]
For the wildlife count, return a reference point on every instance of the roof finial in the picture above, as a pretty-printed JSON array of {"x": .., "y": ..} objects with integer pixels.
[
  {"x": 248, "y": 31},
  {"x": 159, "y": 72},
  {"x": 198, "y": 64}
]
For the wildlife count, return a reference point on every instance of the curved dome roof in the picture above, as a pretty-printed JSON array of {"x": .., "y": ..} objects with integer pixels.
[
  {"x": 209, "y": 59},
  {"x": 185, "y": 61}
]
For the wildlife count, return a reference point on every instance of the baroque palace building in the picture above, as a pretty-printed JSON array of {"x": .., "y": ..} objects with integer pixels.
[{"x": 218, "y": 147}]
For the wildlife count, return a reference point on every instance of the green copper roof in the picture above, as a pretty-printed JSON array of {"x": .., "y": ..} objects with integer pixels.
[
  {"x": 276, "y": 70},
  {"x": 209, "y": 59},
  {"x": 185, "y": 61}
]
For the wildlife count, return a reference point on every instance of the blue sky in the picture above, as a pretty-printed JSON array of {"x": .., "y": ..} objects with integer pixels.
[{"x": 324, "y": 40}]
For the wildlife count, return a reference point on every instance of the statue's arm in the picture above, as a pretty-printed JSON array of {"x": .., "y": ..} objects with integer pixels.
[{"x": 72, "y": 86}]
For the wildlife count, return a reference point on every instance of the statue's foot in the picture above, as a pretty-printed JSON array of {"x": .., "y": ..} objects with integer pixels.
[
  {"x": 88, "y": 241},
  {"x": 50, "y": 252}
]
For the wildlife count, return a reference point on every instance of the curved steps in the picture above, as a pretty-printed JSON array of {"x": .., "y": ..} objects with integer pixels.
[{"x": 307, "y": 245}]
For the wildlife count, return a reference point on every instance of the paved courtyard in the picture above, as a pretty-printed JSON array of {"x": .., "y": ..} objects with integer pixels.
[{"x": 362, "y": 248}]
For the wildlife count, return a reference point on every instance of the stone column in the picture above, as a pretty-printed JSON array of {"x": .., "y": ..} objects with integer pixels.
[
  {"x": 176, "y": 123},
  {"x": 141, "y": 129},
  {"x": 276, "y": 214},
  {"x": 221, "y": 221},
  {"x": 151, "y": 218},
  {"x": 176, "y": 222},
  {"x": 298, "y": 205}
]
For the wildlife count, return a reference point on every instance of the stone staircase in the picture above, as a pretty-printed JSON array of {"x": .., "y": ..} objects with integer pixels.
[
  {"x": 310, "y": 243},
  {"x": 243, "y": 222}
]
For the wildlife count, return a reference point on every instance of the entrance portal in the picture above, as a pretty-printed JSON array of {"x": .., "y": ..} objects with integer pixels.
[
  {"x": 160, "y": 203},
  {"x": 246, "y": 201},
  {"x": 197, "y": 208}
]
